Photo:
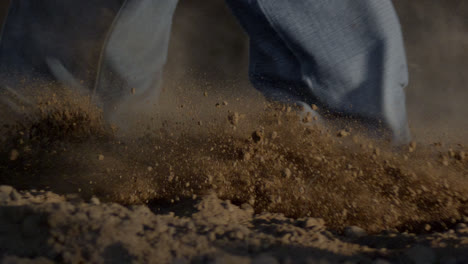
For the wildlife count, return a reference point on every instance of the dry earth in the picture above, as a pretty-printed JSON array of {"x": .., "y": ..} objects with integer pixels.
[{"x": 270, "y": 186}]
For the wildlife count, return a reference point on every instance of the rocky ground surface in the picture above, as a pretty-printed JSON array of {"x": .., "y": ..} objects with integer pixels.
[{"x": 43, "y": 227}]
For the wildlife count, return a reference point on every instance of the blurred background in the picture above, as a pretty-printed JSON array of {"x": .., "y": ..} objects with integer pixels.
[{"x": 209, "y": 51}]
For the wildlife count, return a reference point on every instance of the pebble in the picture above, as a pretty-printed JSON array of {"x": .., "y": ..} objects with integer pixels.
[
  {"x": 354, "y": 232},
  {"x": 95, "y": 201},
  {"x": 287, "y": 173},
  {"x": 101, "y": 157},
  {"x": 412, "y": 146},
  {"x": 343, "y": 133},
  {"x": 313, "y": 222}
]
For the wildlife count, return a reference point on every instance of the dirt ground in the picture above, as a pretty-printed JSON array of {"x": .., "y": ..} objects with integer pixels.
[{"x": 223, "y": 185}]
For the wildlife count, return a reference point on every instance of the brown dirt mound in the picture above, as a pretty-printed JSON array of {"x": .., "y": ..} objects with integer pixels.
[{"x": 270, "y": 160}]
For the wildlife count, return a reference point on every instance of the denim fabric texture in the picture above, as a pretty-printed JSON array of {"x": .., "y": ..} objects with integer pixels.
[{"x": 347, "y": 56}]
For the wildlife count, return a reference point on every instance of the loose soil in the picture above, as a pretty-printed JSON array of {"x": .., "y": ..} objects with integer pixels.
[{"x": 266, "y": 186}]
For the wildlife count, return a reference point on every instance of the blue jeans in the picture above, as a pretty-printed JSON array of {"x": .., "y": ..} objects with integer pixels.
[{"x": 346, "y": 56}]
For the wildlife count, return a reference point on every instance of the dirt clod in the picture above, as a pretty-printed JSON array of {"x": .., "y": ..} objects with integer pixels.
[{"x": 343, "y": 133}]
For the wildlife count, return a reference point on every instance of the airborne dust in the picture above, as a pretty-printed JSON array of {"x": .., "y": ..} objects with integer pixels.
[{"x": 275, "y": 160}]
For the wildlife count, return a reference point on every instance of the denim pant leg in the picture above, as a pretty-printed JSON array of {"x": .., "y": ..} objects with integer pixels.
[
  {"x": 67, "y": 31},
  {"x": 116, "y": 48},
  {"x": 133, "y": 59},
  {"x": 346, "y": 56}
]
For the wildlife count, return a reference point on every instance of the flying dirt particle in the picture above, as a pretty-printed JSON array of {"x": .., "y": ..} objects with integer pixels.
[
  {"x": 274, "y": 135},
  {"x": 200, "y": 123},
  {"x": 461, "y": 156},
  {"x": 451, "y": 153},
  {"x": 342, "y": 133},
  {"x": 314, "y": 107},
  {"x": 133, "y": 91},
  {"x": 100, "y": 157},
  {"x": 225, "y": 103},
  {"x": 95, "y": 201},
  {"x": 233, "y": 118},
  {"x": 308, "y": 118},
  {"x": 150, "y": 169},
  {"x": 377, "y": 151},
  {"x": 14, "y": 154},
  {"x": 412, "y": 146},
  {"x": 445, "y": 161},
  {"x": 171, "y": 177},
  {"x": 205, "y": 94},
  {"x": 287, "y": 173},
  {"x": 427, "y": 227},
  {"x": 257, "y": 136}
]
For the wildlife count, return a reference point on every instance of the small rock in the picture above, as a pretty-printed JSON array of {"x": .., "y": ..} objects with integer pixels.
[
  {"x": 313, "y": 222},
  {"x": 100, "y": 157},
  {"x": 314, "y": 107},
  {"x": 95, "y": 201},
  {"x": 421, "y": 255},
  {"x": 354, "y": 232},
  {"x": 412, "y": 146},
  {"x": 274, "y": 135},
  {"x": 343, "y": 133},
  {"x": 133, "y": 91},
  {"x": 149, "y": 169},
  {"x": 461, "y": 156},
  {"x": 287, "y": 173}
]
